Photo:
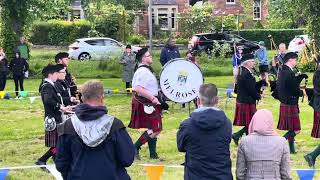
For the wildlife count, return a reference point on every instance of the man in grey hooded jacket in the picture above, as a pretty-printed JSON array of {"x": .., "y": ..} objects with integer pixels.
[{"x": 93, "y": 144}]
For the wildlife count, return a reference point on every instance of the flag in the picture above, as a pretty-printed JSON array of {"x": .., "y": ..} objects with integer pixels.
[{"x": 305, "y": 174}]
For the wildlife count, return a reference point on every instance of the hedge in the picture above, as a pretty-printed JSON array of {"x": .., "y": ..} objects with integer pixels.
[
  {"x": 58, "y": 32},
  {"x": 279, "y": 35}
]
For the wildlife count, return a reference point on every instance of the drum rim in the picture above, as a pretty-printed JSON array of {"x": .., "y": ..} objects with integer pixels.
[{"x": 172, "y": 60}]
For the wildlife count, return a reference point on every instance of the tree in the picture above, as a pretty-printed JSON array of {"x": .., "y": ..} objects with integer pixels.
[
  {"x": 17, "y": 15},
  {"x": 197, "y": 19},
  {"x": 128, "y": 4}
]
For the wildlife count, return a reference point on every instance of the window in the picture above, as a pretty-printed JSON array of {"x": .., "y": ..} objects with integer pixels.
[
  {"x": 257, "y": 10},
  {"x": 231, "y": 2},
  {"x": 163, "y": 21},
  {"x": 95, "y": 42}
]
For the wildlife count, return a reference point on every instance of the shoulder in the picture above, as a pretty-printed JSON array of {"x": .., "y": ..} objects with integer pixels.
[
  {"x": 116, "y": 125},
  {"x": 185, "y": 123}
]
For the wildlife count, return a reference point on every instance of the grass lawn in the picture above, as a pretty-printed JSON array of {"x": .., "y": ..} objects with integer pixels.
[{"x": 22, "y": 142}]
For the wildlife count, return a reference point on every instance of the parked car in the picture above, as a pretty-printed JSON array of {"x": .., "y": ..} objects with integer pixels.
[
  {"x": 97, "y": 49},
  {"x": 204, "y": 42},
  {"x": 298, "y": 43}
]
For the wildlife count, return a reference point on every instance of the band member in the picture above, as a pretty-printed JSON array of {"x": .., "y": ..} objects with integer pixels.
[
  {"x": 63, "y": 89},
  {"x": 53, "y": 108},
  {"x": 146, "y": 109},
  {"x": 247, "y": 96},
  {"x": 63, "y": 58},
  {"x": 311, "y": 157},
  {"x": 278, "y": 59},
  {"x": 289, "y": 92}
]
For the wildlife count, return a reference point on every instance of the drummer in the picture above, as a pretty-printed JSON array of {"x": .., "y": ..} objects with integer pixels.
[{"x": 146, "y": 109}]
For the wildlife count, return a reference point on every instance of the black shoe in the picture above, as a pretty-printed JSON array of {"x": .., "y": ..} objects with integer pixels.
[
  {"x": 235, "y": 139},
  {"x": 39, "y": 163},
  {"x": 310, "y": 160},
  {"x": 155, "y": 156}
]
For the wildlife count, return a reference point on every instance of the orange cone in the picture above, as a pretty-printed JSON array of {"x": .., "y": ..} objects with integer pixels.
[{"x": 154, "y": 172}]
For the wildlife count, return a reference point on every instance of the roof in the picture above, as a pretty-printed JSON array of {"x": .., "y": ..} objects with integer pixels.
[{"x": 164, "y": 2}]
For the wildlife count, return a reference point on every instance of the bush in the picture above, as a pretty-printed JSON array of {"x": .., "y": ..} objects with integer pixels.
[
  {"x": 136, "y": 39},
  {"x": 182, "y": 41},
  {"x": 58, "y": 33},
  {"x": 279, "y": 35}
]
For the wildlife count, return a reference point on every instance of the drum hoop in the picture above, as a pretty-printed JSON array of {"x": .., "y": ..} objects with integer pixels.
[
  {"x": 169, "y": 62},
  {"x": 178, "y": 59}
]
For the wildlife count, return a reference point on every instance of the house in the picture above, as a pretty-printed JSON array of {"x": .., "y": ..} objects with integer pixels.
[
  {"x": 165, "y": 12},
  {"x": 77, "y": 11}
]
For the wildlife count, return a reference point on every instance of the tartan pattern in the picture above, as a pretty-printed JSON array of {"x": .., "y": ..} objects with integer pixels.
[
  {"x": 243, "y": 114},
  {"x": 316, "y": 125},
  {"x": 51, "y": 138},
  {"x": 139, "y": 119},
  {"x": 289, "y": 118}
]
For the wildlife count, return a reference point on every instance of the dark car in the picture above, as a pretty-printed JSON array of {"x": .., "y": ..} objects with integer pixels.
[{"x": 204, "y": 42}]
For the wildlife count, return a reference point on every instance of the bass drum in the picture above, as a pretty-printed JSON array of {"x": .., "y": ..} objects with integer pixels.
[{"x": 180, "y": 80}]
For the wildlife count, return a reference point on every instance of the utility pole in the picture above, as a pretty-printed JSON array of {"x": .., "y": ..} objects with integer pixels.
[{"x": 150, "y": 25}]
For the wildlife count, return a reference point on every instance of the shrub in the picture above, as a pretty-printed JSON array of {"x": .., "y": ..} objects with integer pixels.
[
  {"x": 57, "y": 32},
  {"x": 136, "y": 39},
  {"x": 182, "y": 41},
  {"x": 279, "y": 35}
]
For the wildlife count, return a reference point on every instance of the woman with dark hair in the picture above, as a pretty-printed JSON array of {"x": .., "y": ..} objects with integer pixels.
[
  {"x": 4, "y": 70},
  {"x": 128, "y": 61},
  {"x": 146, "y": 109},
  {"x": 18, "y": 66}
]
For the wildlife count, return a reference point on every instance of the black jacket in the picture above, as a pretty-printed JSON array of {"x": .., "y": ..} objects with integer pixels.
[
  {"x": 70, "y": 83},
  {"x": 288, "y": 87},
  {"x": 63, "y": 89},
  {"x": 246, "y": 87},
  {"x": 51, "y": 101},
  {"x": 316, "y": 91},
  {"x": 80, "y": 158},
  {"x": 205, "y": 138},
  {"x": 4, "y": 69},
  {"x": 18, "y": 66}
]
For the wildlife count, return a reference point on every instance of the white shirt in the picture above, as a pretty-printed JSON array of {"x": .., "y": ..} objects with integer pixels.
[
  {"x": 143, "y": 77},
  {"x": 49, "y": 81}
]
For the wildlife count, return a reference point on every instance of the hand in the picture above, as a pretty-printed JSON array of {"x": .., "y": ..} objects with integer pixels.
[
  {"x": 73, "y": 99},
  {"x": 155, "y": 101},
  {"x": 65, "y": 108},
  {"x": 304, "y": 92}
]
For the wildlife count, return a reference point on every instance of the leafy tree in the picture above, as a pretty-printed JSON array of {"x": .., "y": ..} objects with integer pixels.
[
  {"x": 128, "y": 4},
  {"x": 197, "y": 19},
  {"x": 17, "y": 15}
]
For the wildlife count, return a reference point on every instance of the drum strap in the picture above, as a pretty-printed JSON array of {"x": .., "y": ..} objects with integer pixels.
[{"x": 146, "y": 66}]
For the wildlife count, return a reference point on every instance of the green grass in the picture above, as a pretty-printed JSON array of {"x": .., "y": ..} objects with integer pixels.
[{"x": 21, "y": 130}]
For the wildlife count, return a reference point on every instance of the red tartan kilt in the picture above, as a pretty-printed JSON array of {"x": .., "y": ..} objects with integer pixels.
[
  {"x": 51, "y": 138},
  {"x": 289, "y": 117},
  {"x": 139, "y": 119},
  {"x": 316, "y": 125},
  {"x": 243, "y": 114}
]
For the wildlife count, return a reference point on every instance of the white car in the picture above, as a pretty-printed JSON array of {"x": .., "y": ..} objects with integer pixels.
[
  {"x": 97, "y": 49},
  {"x": 298, "y": 43}
]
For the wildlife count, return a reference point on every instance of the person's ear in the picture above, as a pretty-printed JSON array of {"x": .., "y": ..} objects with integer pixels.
[{"x": 215, "y": 100}]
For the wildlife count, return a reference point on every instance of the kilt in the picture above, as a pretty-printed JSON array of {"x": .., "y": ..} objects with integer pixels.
[
  {"x": 316, "y": 125},
  {"x": 289, "y": 117},
  {"x": 140, "y": 119},
  {"x": 243, "y": 114},
  {"x": 51, "y": 138}
]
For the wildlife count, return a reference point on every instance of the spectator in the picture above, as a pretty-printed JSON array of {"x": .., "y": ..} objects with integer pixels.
[
  {"x": 18, "y": 66},
  {"x": 4, "y": 70},
  {"x": 263, "y": 154},
  {"x": 205, "y": 138},
  {"x": 128, "y": 61},
  {"x": 278, "y": 59},
  {"x": 169, "y": 51},
  {"x": 262, "y": 56},
  {"x": 192, "y": 58},
  {"x": 93, "y": 144},
  {"x": 23, "y": 49}
]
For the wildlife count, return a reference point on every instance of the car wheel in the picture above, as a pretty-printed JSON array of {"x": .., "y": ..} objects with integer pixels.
[{"x": 84, "y": 57}]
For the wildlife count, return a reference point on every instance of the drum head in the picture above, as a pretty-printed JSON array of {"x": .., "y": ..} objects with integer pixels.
[{"x": 180, "y": 80}]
